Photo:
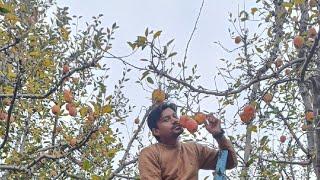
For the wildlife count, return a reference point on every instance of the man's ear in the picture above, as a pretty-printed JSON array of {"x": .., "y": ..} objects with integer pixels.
[{"x": 155, "y": 132}]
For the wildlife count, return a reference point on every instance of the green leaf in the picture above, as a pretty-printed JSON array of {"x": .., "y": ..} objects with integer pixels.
[
  {"x": 150, "y": 80},
  {"x": 114, "y": 25},
  {"x": 244, "y": 16},
  {"x": 4, "y": 10},
  {"x": 269, "y": 32},
  {"x": 144, "y": 74},
  {"x": 146, "y": 32},
  {"x": 86, "y": 165},
  {"x": 172, "y": 54},
  {"x": 132, "y": 45},
  {"x": 168, "y": 43},
  {"x": 259, "y": 49},
  {"x": 165, "y": 50},
  {"x": 264, "y": 140}
]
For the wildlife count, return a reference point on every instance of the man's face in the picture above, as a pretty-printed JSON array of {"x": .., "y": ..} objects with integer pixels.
[{"x": 168, "y": 125}]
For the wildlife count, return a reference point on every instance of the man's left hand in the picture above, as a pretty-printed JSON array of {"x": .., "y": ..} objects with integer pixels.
[{"x": 213, "y": 124}]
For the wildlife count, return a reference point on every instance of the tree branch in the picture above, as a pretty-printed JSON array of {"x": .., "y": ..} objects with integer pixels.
[
  {"x": 16, "y": 41},
  {"x": 229, "y": 91},
  {"x": 287, "y": 162},
  {"x": 53, "y": 89},
  {"x": 122, "y": 161},
  {"x": 18, "y": 82},
  {"x": 310, "y": 55}
]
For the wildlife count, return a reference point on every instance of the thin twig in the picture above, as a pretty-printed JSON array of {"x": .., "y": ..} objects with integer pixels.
[{"x": 122, "y": 161}]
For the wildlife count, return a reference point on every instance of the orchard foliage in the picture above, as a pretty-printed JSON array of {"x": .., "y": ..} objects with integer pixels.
[{"x": 56, "y": 110}]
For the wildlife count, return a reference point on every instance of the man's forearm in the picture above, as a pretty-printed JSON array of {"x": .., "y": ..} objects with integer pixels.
[{"x": 225, "y": 143}]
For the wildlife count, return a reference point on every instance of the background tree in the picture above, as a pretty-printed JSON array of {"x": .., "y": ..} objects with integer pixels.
[{"x": 56, "y": 111}]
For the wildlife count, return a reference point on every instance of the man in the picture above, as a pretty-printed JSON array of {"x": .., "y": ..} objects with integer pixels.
[{"x": 171, "y": 159}]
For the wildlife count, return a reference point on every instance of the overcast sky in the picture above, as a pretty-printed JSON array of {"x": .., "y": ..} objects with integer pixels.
[{"x": 176, "y": 19}]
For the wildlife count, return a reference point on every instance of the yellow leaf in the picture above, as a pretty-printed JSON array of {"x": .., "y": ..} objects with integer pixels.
[
  {"x": 106, "y": 109},
  {"x": 64, "y": 33},
  {"x": 47, "y": 63},
  {"x": 8, "y": 89},
  {"x": 254, "y": 128},
  {"x": 10, "y": 72},
  {"x": 297, "y": 2},
  {"x": 95, "y": 177},
  {"x": 35, "y": 54},
  {"x": 11, "y": 18},
  {"x": 54, "y": 41},
  {"x": 83, "y": 111},
  {"x": 254, "y": 10}
]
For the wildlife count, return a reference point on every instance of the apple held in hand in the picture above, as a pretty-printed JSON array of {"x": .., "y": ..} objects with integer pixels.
[
  {"x": 190, "y": 124},
  {"x": 200, "y": 117}
]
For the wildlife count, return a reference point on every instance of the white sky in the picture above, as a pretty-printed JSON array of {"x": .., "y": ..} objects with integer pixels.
[{"x": 176, "y": 20}]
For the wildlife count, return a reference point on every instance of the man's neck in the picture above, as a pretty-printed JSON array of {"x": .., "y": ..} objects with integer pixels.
[{"x": 170, "y": 141}]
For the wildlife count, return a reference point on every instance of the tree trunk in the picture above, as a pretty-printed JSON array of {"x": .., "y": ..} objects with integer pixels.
[{"x": 316, "y": 107}]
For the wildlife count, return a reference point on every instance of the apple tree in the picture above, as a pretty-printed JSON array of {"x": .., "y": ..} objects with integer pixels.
[{"x": 56, "y": 109}]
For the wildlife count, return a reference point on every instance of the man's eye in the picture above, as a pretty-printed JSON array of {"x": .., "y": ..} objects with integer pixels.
[
  {"x": 165, "y": 119},
  {"x": 175, "y": 116}
]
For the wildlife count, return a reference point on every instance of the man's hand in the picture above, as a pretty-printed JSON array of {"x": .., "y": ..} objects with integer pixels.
[{"x": 213, "y": 124}]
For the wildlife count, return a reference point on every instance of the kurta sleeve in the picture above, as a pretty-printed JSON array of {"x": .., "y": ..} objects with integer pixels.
[
  {"x": 232, "y": 155},
  {"x": 148, "y": 165},
  {"x": 208, "y": 157}
]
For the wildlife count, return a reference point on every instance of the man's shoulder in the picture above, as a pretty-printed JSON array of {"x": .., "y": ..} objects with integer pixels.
[
  {"x": 194, "y": 144},
  {"x": 191, "y": 143},
  {"x": 150, "y": 148}
]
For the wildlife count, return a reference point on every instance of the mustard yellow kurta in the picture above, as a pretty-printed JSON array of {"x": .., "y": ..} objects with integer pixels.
[{"x": 181, "y": 161}]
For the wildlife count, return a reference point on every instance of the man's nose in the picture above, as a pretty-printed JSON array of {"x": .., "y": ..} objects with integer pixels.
[{"x": 174, "y": 120}]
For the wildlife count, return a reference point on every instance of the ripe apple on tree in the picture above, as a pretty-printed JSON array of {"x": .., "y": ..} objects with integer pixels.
[
  {"x": 267, "y": 98},
  {"x": 55, "y": 109},
  {"x": 283, "y": 138},
  {"x": 298, "y": 42},
  {"x": 158, "y": 96},
  {"x": 237, "y": 40},
  {"x": 248, "y": 113}
]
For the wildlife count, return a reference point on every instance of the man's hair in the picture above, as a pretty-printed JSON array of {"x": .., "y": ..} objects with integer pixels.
[{"x": 155, "y": 114}]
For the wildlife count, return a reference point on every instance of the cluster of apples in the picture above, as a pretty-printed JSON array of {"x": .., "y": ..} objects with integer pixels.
[
  {"x": 191, "y": 124},
  {"x": 68, "y": 98},
  {"x": 299, "y": 41}
]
